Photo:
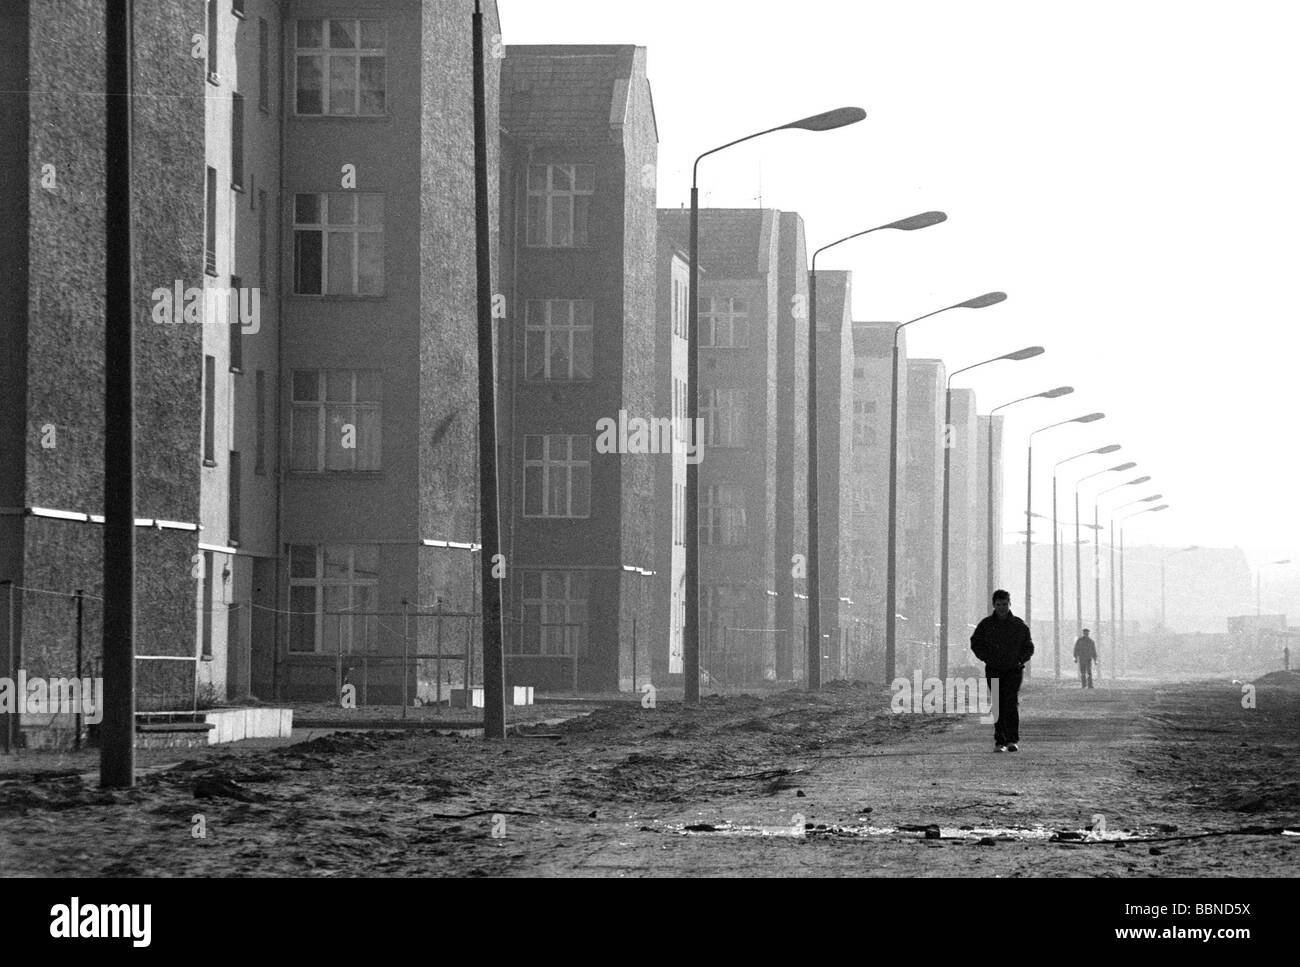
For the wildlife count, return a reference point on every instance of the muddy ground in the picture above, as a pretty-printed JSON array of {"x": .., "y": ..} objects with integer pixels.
[{"x": 1186, "y": 782}]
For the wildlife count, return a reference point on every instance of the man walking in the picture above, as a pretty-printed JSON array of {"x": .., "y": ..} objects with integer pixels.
[
  {"x": 1003, "y": 643},
  {"x": 1085, "y": 653}
]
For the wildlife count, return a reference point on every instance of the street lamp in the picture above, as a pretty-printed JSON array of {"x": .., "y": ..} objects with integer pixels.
[
  {"x": 691, "y": 633},
  {"x": 979, "y": 302},
  {"x": 924, "y": 220},
  {"x": 1047, "y": 395},
  {"x": 1163, "y": 621},
  {"x": 1078, "y": 564},
  {"x": 1258, "y": 573},
  {"x": 1056, "y": 567},
  {"x": 1123, "y": 633},
  {"x": 1029, "y": 513},
  {"x": 1021, "y": 354},
  {"x": 1097, "y": 565}
]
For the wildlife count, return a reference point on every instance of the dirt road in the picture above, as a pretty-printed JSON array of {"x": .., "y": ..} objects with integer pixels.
[{"x": 783, "y": 784}]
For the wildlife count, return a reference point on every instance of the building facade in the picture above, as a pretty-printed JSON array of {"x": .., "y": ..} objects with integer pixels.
[{"x": 922, "y": 516}]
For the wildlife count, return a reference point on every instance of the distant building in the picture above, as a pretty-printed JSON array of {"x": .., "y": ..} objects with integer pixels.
[
  {"x": 989, "y": 541},
  {"x": 873, "y": 346},
  {"x": 579, "y": 263},
  {"x": 965, "y": 565},
  {"x": 921, "y": 502}
]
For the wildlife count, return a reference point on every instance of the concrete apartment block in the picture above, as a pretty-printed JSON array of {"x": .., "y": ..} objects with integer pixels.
[
  {"x": 990, "y": 542},
  {"x": 739, "y": 313},
  {"x": 671, "y": 320},
  {"x": 791, "y": 525},
  {"x": 965, "y": 578},
  {"x": 840, "y": 570},
  {"x": 873, "y": 344},
  {"x": 921, "y": 497},
  {"x": 579, "y": 262}
]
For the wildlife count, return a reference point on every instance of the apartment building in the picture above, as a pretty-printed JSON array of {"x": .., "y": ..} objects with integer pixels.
[
  {"x": 921, "y": 501},
  {"x": 989, "y": 542},
  {"x": 306, "y": 396},
  {"x": 579, "y": 261},
  {"x": 840, "y": 570},
  {"x": 965, "y": 573},
  {"x": 873, "y": 347}
]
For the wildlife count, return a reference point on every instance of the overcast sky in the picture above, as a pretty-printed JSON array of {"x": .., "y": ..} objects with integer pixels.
[{"x": 1126, "y": 171}]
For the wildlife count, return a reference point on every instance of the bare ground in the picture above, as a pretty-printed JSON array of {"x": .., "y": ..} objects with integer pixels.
[{"x": 1188, "y": 782}]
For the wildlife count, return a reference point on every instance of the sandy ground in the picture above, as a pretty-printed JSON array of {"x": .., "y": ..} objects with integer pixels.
[{"x": 1188, "y": 782}]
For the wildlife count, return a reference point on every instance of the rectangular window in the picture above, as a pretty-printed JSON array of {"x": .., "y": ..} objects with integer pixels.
[
  {"x": 338, "y": 241},
  {"x": 559, "y": 205},
  {"x": 328, "y": 585},
  {"x": 723, "y": 412},
  {"x": 259, "y": 401},
  {"x": 557, "y": 476},
  {"x": 722, "y": 515},
  {"x": 213, "y": 42},
  {"x": 724, "y": 324},
  {"x": 261, "y": 240},
  {"x": 555, "y": 613},
  {"x": 237, "y": 8},
  {"x": 237, "y": 141},
  {"x": 335, "y": 421},
  {"x": 208, "y": 603},
  {"x": 210, "y": 233},
  {"x": 557, "y": 338},
  {"x": 680, "y": 308},
  {"x": 263, "y": 65},
  {"x": 236, "y": 330},
  {"x": 209, "y": 410},
  {"x": 232, "y": 490},
  {"x": 341, "y": 68}
]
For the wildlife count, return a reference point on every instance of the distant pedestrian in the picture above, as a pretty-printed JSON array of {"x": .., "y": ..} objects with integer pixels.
[
  {"x": 1003, "y": 643},
  {"x": 1085, "y": 653}
]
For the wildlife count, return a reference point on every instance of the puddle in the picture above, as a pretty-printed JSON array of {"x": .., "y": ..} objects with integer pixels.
[{"x": 975, "y": 834}]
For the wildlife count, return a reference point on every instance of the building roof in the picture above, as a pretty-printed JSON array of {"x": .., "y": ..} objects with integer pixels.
[
  {"x": 736, "y": 243},
  {"x": 569, "y": 92}
]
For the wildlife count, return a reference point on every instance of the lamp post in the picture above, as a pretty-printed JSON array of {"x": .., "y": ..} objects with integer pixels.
[
  {"x": 1097, "y": 565},
  {"x": 1123, "y": 634},
  {"x": 924, "y": 220},
  {"x": 1164, "y": 626},
  {"x": 1047, "y": 394},
  {"x": 1029, "y": 514},
  {"x": 948, "y": 443},
  {"x": 1056, "y": 541},
  {"x": 1078, "y": 554},
  {"x": 1258, "y": 594},
  {"x": 691, "y": 633},
  {"x": 891, "y": 591}
]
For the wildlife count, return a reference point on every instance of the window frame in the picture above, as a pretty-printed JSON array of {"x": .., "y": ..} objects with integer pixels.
[
  {"x": 549, "y": 195},
  {"x": 730, "y": 526},
  {"x": 319, "y": 582},
  {"x": 326, "y": 228},
  {"x": 710, "y": 318},
  {"x": 548, "y": 331},
  {"x": 549, "y": 465},
  {"x": 322, "y": 408},
  {"x": 326, "y": 53},
  {"x": 574, "y": 638}
]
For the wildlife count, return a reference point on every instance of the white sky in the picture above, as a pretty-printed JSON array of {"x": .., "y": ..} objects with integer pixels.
[{"x": 1128, "y": 172}]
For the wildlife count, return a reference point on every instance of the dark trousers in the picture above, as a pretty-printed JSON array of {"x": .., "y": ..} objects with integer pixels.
[
  {"x": 1007, "y": 728},
  {"x": 1085, "y": 672}
]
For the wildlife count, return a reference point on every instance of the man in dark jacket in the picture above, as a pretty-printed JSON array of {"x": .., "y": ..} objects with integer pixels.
[
  {"x": 1085, "y": 653},
  {"x": 1003, "y": 643}
]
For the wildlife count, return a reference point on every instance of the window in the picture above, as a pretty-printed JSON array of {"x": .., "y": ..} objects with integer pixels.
[
  {"x": 559, "y": 205},
  {"x": 722, "y": 516},
  {"x": 725, "y": 324},
  {"x": 555, "y": 613},
  {"x": 209, "y": 410},
  {"x": 679, "y": 514},
  {"x": 328, "y": 583},
  {"x": 237, "y": 141},
  {"x": 232, "y": 491},
  {"x": 722, "y": 606},
  {"x": 680, "y": 308},
  {"x": 263, "y": 66},
  {"x": 259, "y": 401},
  {"x": 335, "y": 421},
  {"x": 210, "y": 213},
  {"x": 261, "y": 240},
  {"x": 557, "y": 476},
  {"x": 236, "y": 330},
  {"x": 557, "y": 338},
  {"x": 207, "y": 603},
  {"x": 237, "y": 8},
  {"x": 341, "y": 68},
  {"x": 338, "y": 243},
  {"x": 723, "y": 412},
  {"x": 213, "y": 42}
]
